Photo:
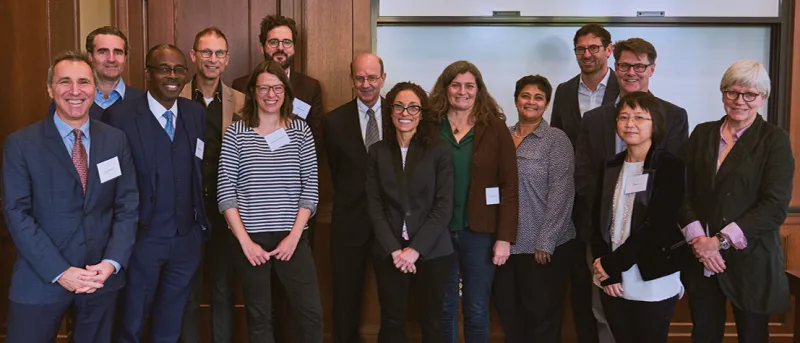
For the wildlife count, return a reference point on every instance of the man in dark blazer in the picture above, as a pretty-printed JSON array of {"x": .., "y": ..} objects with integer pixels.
[
  {"x": 596, "y": 85},
  {"x": 350, "y": 129},
  {"x": 71, "y": 205},
  {"x": 166, "y": 136}
]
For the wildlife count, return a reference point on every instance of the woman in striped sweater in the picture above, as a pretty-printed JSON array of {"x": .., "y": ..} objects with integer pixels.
[{"x": 267, "y": 192}]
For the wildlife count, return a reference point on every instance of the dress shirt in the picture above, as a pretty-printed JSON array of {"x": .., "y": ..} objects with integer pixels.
[
  {"x": 363, "y": 117},
  {"x": 159, "y": 110},
  {"x": 588, "y": 99},
  {"x": 117, "y": 93}
]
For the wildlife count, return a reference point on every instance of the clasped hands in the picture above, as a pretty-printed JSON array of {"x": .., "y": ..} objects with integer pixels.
[
  {"x": 257, "y": 256},
  {"x": 86, "y": 280},
  {"x": 404, "y": 260},
  {"x": 613, "y": 290},
  {"x": 706, "y": 249}
]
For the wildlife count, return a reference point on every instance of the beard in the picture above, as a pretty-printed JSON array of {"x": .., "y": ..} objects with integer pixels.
[{"x": 286, "y": 64}]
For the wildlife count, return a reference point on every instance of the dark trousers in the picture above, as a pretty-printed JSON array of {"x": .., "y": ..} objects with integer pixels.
[
  {"x": 217, "y": 255},
  {"x": 348, "y": 267},
  {"x": 93, "y": 319},
  {"x": 394, "y": 288},
  {"x": 638, "y": 321},
  {"x": 707, "y": 304},
  {"x": 160, "y": 273},
  {"x": 299, "y": 277},
  {"x": 580, "y": 279},
  {"x": 530, "y": 296}
]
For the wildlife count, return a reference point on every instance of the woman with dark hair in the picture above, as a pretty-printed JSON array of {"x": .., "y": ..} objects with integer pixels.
[
  {"x": 484, "y": 222},
  {"x": 638, "y": 246},
  {"x": 410, "y": 197},
  {"x": 267, "y": 192},
  {"x": 529, "y": 289}
]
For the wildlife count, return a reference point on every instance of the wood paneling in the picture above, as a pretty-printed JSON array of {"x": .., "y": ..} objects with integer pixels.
[
  {"x": 129, "y": 18},
  {"x": 258, "y": 10},
  {"x": 794, "y": 105}
]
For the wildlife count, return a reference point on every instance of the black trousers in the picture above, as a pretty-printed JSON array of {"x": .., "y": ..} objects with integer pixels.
[
  {"x": 638, "y": 321},
  {"x": 299, "y": 277},
  {"x": 530, "y": 296},
  {"x": 580, "y": 280},
  {"x": 707, "y": 304},
  {"x": 93, "y": 319},
  {"x": 217, "y": 267},
  {"x": 394, "y": 288},
  {"x": 348, "y": 267}
]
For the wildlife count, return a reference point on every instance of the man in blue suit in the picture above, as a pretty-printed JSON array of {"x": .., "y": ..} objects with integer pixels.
[
  {"x": 166, "y": 135},
  {"x": 71, "y": 205}
]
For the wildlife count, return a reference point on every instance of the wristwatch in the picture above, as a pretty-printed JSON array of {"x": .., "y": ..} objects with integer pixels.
[{"x": 724, "y": 243}]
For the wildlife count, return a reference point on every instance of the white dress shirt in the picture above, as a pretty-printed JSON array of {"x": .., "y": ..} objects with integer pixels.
[
  {"x": 363, "y": 117},
  {"x": 158, "y": 111},
  {"x": 588, "y": 100}
]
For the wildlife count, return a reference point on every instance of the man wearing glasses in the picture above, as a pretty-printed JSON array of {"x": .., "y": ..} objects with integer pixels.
[
  {"x": 596, "y": 85},
  {"x": 210, "y": 55},
  {"x": 349, "y": 131},
  {"x": 166, "y": 134}
]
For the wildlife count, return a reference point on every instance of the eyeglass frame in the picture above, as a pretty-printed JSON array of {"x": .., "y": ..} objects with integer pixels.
[
  {"x": 212, "y": 52},
  {"x": 278, "y": 42},
  {"x": 636, "y": 119},
  {"x": 408, "y": 108},
  {"x": 266, "y": 89},
  {"x": 743, "y": 94},
  {"x": 167, "y": 70},
  {"x": 594, "y": 47},
  {"x": 369, "y": 78},
  {"x": 624, "y": 67}
]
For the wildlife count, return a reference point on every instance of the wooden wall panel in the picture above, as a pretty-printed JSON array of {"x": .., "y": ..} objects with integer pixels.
[
  {"x": 129, "y": 16},
  {"x": 258, "y": 10},
  {"x": 794, "y": 106}
]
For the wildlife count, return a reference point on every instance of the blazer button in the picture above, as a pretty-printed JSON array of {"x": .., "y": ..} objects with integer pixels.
[
  {"x": 86, "y": 213},
  {"x": 81, "y": 244},
  {"x": 408, "y": 214}
]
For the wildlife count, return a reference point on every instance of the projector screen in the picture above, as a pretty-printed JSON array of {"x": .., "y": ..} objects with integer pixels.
[{"x": 690, "y": 63}]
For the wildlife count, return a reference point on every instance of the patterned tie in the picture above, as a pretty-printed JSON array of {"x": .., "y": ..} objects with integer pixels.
[
  {"x": 170, "y": 128},
  {"x": 79, "y": 158},
  {"x": 371, "y": 136}
]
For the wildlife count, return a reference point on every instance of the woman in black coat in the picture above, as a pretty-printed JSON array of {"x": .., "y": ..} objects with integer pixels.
[
  {"x": 410, "y": 197},
  {"x": 637, "y": 243}
]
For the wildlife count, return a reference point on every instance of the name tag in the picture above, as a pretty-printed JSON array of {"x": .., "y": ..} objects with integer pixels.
[
  {"x": 198, "y": 151},
  {"x": 636, "y": 184},
  {"x": 301, "y": 108},
  {"x": 277, "y": 139},
  {"x": 492, "y": 196},
  {"x": 109, "y": 170}
]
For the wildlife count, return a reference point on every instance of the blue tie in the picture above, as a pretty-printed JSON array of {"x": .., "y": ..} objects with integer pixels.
[{"x": 170, "y": 128}]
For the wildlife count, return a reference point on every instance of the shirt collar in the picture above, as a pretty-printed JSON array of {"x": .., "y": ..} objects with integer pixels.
[
  {"x": 156, "y": 107},
  {"x": 198, "y": 95},
  {"x": 539, "y": 132},
  {"x": 362, "y": 107},
  {"x": 119, "y": 88},
  {"x": 737, "y": 135},
  {"x": 603, "y": 82},
  {"x": 65, "y": 130}
]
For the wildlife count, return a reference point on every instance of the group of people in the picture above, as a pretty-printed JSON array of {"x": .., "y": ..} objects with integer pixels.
[{"x": 444, "y": 197}]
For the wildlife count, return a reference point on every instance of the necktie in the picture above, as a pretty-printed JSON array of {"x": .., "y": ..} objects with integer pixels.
[
  {"x": 371, "y": 135},
  {"x": 170, "y": 128},
  {"x": 79, "y": 158}
]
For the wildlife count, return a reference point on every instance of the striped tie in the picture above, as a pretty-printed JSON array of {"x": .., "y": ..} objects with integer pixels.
[
  {"x": 79, "y": 158},
  {"x": 371, "y": 136},
  {"x": 170, "y": 128}
]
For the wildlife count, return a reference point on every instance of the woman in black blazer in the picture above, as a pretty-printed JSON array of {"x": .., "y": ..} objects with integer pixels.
[
  {"x": 410, "y": 198},
  {"x": 739, "y": 171},
  {"x": 637, "y": 243}
]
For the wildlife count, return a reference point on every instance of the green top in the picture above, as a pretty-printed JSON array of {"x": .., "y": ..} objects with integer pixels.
[{"x": 462, "y": 162}]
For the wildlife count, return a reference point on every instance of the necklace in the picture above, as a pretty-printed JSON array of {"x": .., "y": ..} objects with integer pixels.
[{"x": 617, "y": 233}]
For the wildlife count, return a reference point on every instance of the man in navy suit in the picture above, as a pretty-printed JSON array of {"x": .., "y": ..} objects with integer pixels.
[
  {"x": 71, "y": 205},
  {"x": 166, "y": 135}
]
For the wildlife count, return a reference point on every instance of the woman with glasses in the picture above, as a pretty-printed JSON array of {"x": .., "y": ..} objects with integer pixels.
[
  {"x": 484, "y": 222},
  {"x": 637, "y": 243},
  {"x": 268, "y": 192},
  {"x": 739, "y": 171},
  {"x": 529, "y": 289},
  {"x": 410, "y": 197}
]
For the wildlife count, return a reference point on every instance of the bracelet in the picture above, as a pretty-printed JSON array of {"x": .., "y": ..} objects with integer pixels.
[{"x": 724, "y": 243}]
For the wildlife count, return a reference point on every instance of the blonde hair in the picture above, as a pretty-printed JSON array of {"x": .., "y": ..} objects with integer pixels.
[{"x": 746, "y": 73}]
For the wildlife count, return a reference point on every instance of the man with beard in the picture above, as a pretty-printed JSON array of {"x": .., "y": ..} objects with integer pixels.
[
  {"x": 210, "y": 55},
  {"x": 350, "y": 130},
  {"x": 595, "y": 85},
  {"x": 166, "y": 136},
  {"x": 278, "y": 39}
]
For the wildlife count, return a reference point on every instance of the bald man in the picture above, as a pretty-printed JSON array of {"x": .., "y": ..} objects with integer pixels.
[{"x": 349, "y": 130}]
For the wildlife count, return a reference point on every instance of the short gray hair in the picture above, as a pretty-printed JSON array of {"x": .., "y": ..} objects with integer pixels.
[
  {"x": 74, "y": 56},
  {"x": 746, "y": 73}
]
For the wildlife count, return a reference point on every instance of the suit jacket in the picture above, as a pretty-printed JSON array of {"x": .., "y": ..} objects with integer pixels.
[
  {"x": 598, "y": 140},
  {"x": 566, "y": 111},
  {"x": 232, "y": 103},
  {"x": 752, "y": 188},
  {"x": 409, "y": 194},
  {"x": 308, "y": 90},
  {"x": 55, "y": 225},
  {"x": 96, "y": 112},
  {"x": 131, "y": 117},
  {"x": 655, "y": 243}
]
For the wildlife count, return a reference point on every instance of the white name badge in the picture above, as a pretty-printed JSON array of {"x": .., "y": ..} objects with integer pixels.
[
  {"x": 301, "y": 108},
  {"x": 636, "y": 184},
  {"x": 277, "y": 139},
  {"x": 201, "y": 146},
  {"x": 109, "y": 170},
  {"x": 492, "y": 196}
]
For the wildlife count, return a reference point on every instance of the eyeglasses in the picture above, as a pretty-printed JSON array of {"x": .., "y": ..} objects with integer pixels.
[
  {"x": 593, "y": 49},
  {"x": 362, "y": 79},
  {"x": 263, "y": 90},
  {"x": 412, "y": 109},
  {"x": 206, "y": 53},
  {"x": 639, "y": 67},
  {"x": 273, "y": 43},
  {"x": 167, "y": 70},
  {"x": 636, "y": 119},
  {"x": 734, "y": 95}
]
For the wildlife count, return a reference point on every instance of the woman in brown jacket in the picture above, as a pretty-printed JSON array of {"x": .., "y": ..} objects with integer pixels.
[{"x": 484, "y": 222}]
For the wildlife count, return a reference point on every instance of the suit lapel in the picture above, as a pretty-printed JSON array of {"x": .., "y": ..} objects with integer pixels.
[
  {"x": 739, "y": 151},
  {"x": 607, "y": 204},
  {"x": 97, "y": 146},
  {"x": 642, "y": 200},
  {"x": 352, "y": 131},
  {"x": 143, "y": 111},
  {"x": 56, "y": 146},
  {"x": 610, "y": 128},
  {"x": 575, "y": 109},
  {"x": 227, "y": 108},
  {"x": 612, "y": 89}
]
